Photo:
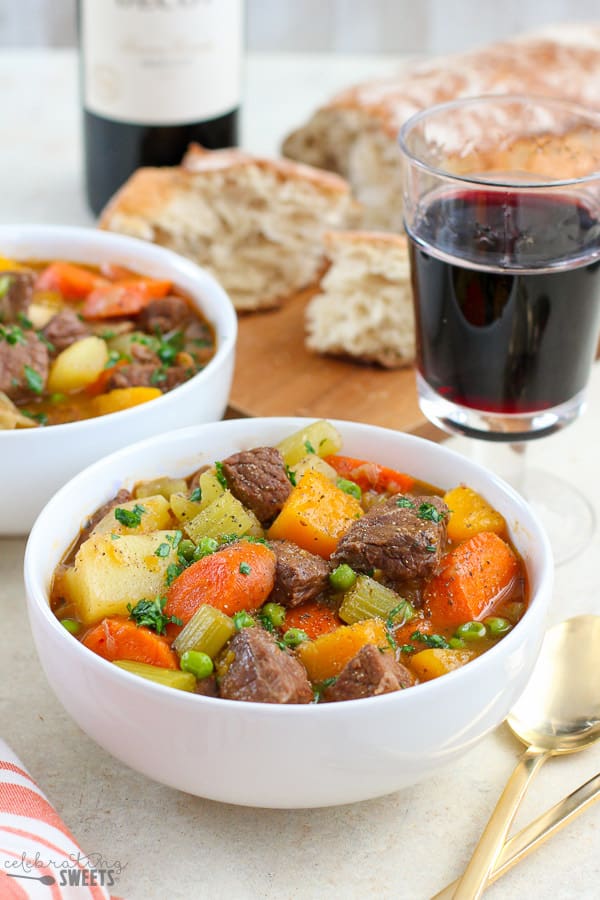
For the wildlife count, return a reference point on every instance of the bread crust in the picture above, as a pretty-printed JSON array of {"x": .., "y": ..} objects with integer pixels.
[
  {"x": 255, "y": 223},
  {"x": 561, "y": 63}
]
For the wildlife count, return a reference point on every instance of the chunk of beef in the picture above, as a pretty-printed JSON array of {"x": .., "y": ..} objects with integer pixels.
[
  {"x": 263, "y": 673},
  {"x": 147, "y": 375},
  {"x": 368, "y": 674},
  {"x": 64, "y": 329},
  {"x": 207, "y": 687},
  {"x": 258, "y": 479},
  {"x": 404, "y": 537},
  {"x": 16, "y": 291},
  {"x": 22, "y": 364},
  {"x": 164, "y": 315},
  {"x": 300, "y": 576},
  {"x": 141, "y": 353}
]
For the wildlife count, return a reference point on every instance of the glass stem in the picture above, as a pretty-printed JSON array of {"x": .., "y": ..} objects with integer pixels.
[{"x": 508, "y": 461}]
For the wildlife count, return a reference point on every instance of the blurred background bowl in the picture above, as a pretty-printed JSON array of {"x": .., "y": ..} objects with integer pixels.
[
  {"x": 37, "y": 461},
  {"x": 282, "y": 756}
]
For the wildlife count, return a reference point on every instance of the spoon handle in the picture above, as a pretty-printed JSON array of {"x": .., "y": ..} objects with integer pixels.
[
  {"x": 474, "y": 879},
  {"x": 538, "y": 831}
]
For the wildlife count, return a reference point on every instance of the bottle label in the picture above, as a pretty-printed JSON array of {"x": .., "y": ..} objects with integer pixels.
[{"x": 161, "y": 62}]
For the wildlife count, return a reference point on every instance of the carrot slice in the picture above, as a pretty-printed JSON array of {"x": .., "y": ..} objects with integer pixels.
[
  {"x": 471, "y": 579},
  {"x": 73, "y": 282},
  {"x": 240, "y": 576},
  {"x": 370, "y": 476},
  {"x": 313, "y": 618},
  {"x": 99, "y": 385},
  {"x": 120, "y": 638},
  {"x": 123, "y": 298}
]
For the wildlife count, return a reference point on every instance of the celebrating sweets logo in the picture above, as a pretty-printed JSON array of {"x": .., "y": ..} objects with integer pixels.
[{"x": 77, "y": 870}]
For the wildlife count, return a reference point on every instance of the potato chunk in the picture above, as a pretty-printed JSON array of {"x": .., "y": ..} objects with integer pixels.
[
  {"x": 78, "y": 365},
  {"x": 110, "y": 572},
  {"x": 153, "y": 514}
]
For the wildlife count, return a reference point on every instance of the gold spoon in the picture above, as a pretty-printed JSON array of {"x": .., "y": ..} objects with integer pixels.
[{"x": 559, "y": 712}]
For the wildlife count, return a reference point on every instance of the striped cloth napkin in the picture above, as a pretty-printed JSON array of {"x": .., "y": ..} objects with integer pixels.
[{"x": 39, "y": 857}]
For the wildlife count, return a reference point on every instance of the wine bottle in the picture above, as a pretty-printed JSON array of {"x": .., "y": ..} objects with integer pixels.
[{"x": 155, "y": 75}]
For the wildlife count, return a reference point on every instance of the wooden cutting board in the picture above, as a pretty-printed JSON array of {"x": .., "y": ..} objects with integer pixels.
[{"x": 276, "y": 376}]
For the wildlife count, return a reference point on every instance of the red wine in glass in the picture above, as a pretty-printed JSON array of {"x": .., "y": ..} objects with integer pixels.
[{"x": 507, "y": 302}]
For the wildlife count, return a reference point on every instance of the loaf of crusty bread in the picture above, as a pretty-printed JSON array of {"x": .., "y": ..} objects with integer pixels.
[
  {"x": 355, "y": 134},
  {"x": 364, "y": 310},
  {"x": 256, "y": 224}
]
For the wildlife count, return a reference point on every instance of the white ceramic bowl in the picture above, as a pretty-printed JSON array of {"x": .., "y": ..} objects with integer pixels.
[
  {"x": 240, "y": 752},
  {"x": 37, "y": 461}
]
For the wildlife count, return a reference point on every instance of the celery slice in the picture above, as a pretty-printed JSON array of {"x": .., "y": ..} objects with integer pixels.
[
  {"x": 367, "y": 599},
  {"x": 208, "y": 631},
  {"x": 182, "y": 681},
  {"x": 224, "y": 516}
]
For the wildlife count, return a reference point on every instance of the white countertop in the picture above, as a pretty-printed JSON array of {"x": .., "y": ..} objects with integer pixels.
[{"x": 407, "y": 845}]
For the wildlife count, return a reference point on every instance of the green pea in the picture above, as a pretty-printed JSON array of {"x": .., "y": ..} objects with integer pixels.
[
  {"x": 497, "y": 626},
  {"x": 72, "y": 625},
  {"x": 206, "y": 546},
  {"x": 199, "y": 664},
  {"x": 243, "y": 620},
  {"x": 275, "y": 613},
  {"x": 349, "y": 487},
  {"x": 342, "y": 578},
  {"x": 471, "y": 631},
  {"x": 456, "y": 643},
  {"x": 186, "y": 550},
  {"x": 294, "y": 636}
]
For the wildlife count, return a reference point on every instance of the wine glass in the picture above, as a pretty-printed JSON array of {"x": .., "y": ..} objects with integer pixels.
[{"x": 502, "y": 213}]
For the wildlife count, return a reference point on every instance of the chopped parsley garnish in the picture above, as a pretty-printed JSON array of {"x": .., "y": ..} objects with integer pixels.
[
  {"x": 243, "y": 620},
  {"x": 34, "y": 380},
  {"x": 162, "y": 550},
  {"x": 173, "y": 572},
  {"x": 431, "y": 548},
  {"x": 220, "y": 476},
  {"x": 291, "y": 476},
  {"x": 108, "y": 334},
  {"x": 115, "y": 537},
  {"x": 40, "y": 417},
  {"x": 430, "y": 640},
  {"x": 130, "y": 518},
  {"x": 349, "y": 487},
  {"x": 400, "y": 614},
  {"x": 48, "y": 344},
  {"x": 309, "y": 447},
  {"x": 168, "y": 349},
  {"x": 405, "y": 503},
  {"x": 196, "y": 495},
  {"x": 318, "y": 689},
  {"x": 150, "y": 614},
  {"x": 404, "y": 612},
  {"x": 429, "y": 513},
  {"x": 158, "y": 376},
  {"x": 12, "y": 334},
  {"x": 245, "y": 568},
  {"x": 266, "y": 622},
  {"x": 24, "y": 322},
  {"x": 407, "y": 648},
  {"x": 115, "y": 357},
  {"x": 175, "y": 539}
]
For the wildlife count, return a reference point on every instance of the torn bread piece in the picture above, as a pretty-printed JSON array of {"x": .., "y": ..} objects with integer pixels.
[
  {"x": 364, "y": 310},
  {"x": 255, "y": 224},
  {"x": 356, "y": 132}
]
